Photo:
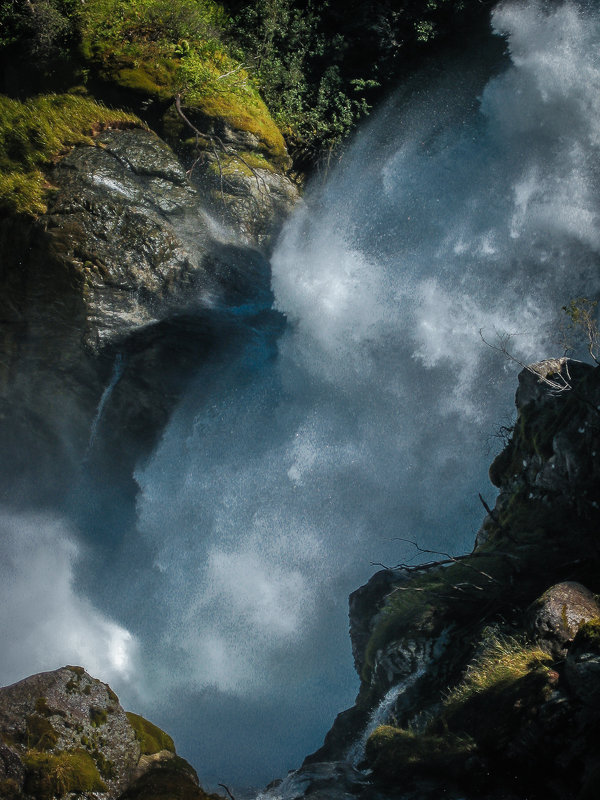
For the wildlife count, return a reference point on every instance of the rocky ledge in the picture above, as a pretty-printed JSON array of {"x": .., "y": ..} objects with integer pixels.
[
  {"x": 480, "y": 675},
  {"x": 125, "y": 281},
  {"x": 65, "y": 734}
]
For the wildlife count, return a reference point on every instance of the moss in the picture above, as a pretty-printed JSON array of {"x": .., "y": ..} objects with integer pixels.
[
  {"x": 587, "y": 638},
  {"x": 41, "y": 707},
  {"x": 39, "y": 733},
  {"x": 112, "y": 696},
  {"x": 49, "y": 775},
  {"x": 105, "y": 766},
  {"x": 151, "y": 738},
  {"x": 35, "y": 133},
  {"x": 159, "y": 49},
  {"x": 77, "y": 670},
  {"x": 98, "y": 716},
  {"x": 10, "y": 789},
  {"x": 396, "y": 754},
  {"x": 437, "y": 597}
]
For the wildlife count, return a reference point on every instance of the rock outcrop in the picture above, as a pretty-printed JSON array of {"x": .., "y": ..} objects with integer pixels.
[
  {"x": 492, "y": 661},
  {"x": 65, "y": 734},
  {"x": 126, "y": 278}
]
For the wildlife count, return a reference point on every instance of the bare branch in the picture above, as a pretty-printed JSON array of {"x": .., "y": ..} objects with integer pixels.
[
  {"x": 223, "y": 786},
  {"x": 541, "y": 369}
]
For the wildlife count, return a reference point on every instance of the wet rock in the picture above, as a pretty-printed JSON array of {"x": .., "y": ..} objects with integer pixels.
[
  {"x": 331, "y": 780},
  {"x": 126, "y": 251},
  {"x": 582, "y": 668},
  {"x": 364, "y": 605},
  {"x": 556, "y": 616}
]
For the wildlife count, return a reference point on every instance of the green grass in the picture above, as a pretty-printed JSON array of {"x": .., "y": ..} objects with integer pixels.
[
  {"x": 151, "y": 738},
  {"x": 502, "y": 661},
  {"x": 34, "y": 133}
]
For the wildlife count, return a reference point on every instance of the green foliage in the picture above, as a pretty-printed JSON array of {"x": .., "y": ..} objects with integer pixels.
[
  {"x": 297, "y": 66},
  {"x": 151, "y": 738},
  {"x": 44, "y": 29},
  {"x": 34, "y": 133},
  {"x": 50, "y": 775}
]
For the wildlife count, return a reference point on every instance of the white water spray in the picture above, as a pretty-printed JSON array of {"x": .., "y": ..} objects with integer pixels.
[
  {"x": 381, "y": 715},
  {"x": 474, "y": 205}
]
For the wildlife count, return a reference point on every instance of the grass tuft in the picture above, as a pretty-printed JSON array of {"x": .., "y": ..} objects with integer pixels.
[{"x": 34, "y": 133}]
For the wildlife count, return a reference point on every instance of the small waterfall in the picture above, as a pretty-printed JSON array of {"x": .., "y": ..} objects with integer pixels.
[
  {"x": 380, "y": 715},
  {"x": 117, "y": 372}
]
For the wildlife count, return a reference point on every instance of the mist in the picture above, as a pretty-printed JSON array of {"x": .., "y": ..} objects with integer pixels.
[{"x": 467, "y": 205}]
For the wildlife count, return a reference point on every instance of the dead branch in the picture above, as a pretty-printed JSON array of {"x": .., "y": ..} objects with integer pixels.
[
  {"x": 223, "y": 786},
  {"x": 541, "y": 369},
  {"x": 491, "y": 513},
  {"x": 213, "y": 139}
]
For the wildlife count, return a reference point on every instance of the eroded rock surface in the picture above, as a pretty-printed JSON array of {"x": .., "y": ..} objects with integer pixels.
[
  {"x": 127, "y": 263},
  {"x": 64, "y": 733}
]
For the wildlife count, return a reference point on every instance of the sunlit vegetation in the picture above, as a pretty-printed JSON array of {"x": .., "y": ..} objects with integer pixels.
[{"x": 34, "y": 133}]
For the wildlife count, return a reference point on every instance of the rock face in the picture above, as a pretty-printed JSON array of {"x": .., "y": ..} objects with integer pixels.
[
  {"x": 127, "y": 273},
  {"x": 486, "y": 670},
  {"x": 64, "y": 732}
]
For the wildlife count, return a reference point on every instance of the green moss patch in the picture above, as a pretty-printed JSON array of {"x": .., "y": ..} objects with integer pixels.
[
  {"x": 151, "y": 738},
  {"x": 35, "y": 133},
  {"x": 39, "y": 733},
  {"x": 173, "y": 780},
  {"x": 98, "y": 716},
  {"x": 587, "y": 639},
  {"x": 396, "y": 754},
  {"x": 49, "y": 775},
  {"x": 162, "y": 49}
]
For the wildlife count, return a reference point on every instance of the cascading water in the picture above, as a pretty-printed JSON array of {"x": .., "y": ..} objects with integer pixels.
[
  {"x": 472, "y": 203},
  {"x": 117, "y": 371},
  {"x": 381, "y": 714},
  {"x": 280, "y": 480}
]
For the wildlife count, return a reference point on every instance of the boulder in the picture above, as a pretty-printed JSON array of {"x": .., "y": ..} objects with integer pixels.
[
  {"x": 556, "y": 616},
  {"x": 64, "y": 733}
]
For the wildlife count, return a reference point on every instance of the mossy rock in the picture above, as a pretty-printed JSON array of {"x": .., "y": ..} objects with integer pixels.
[
  {"x": 55, "y": 775},
  {"x": 34, "y": 134},
  {"x": 503, "y": 688},
  {"x": 396, "y": 754},
  {"x": 151, "y": 738},
  {"x": 172, "y": 780},
  {"x": 39, "y": 733}
]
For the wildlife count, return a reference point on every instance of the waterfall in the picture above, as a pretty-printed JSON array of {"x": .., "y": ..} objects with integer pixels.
[
  {"x": 381, "y": 715},
  {"x": 470, "y": 201},
  {"x": 469, "y": 204},
  {"x": 117, "y": 372}
]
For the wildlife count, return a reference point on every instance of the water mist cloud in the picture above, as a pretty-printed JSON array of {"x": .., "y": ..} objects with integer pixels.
[
  {"x": 278, "y": 481},
  {"x": 48, "y": 624}
]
